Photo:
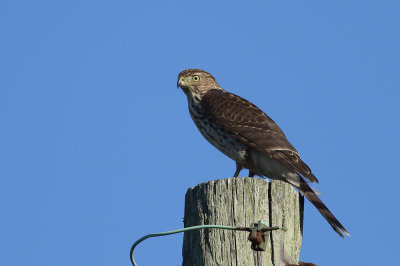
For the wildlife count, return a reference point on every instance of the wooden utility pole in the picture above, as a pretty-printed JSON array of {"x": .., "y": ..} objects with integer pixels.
[{"x": 239, "y": 202}]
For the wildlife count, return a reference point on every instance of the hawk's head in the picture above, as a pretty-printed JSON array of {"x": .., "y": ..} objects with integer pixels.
[{"x": 196, "y": 81}]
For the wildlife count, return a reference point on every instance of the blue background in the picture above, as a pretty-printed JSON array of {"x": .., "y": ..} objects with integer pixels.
[{"x": 97, "y": 147}]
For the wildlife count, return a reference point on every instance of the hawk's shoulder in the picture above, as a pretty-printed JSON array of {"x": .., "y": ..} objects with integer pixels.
[{"x": 231, "y": 108}]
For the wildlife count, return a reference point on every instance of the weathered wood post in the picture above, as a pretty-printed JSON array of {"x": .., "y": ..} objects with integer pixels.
[{"x": 239, "y": 202}]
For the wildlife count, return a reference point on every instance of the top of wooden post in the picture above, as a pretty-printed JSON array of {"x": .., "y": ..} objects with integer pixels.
[{"x": 240, "y": 202}]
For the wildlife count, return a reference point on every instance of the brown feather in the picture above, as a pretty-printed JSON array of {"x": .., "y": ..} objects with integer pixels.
[
  {"x": 326, "y": 213},
  {"x": 253, "y": 127}
]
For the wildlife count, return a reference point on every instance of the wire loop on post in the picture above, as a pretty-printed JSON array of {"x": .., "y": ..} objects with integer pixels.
[{"x": 197, "y": 227}]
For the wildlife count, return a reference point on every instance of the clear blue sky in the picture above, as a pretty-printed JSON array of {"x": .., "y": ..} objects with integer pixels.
[{"x": 97, "y": 147}]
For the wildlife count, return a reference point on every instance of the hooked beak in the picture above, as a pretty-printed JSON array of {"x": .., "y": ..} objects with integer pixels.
[{"x": 180, "y": 82}]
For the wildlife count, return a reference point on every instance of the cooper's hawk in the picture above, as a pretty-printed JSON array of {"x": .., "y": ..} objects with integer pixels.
[{"x": 248, "y": 136}]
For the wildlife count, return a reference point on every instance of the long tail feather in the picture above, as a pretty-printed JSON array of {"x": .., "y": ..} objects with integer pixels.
[{"x": 307, "y": 191}]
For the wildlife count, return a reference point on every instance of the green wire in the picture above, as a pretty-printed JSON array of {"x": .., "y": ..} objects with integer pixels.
[{"x": 175, "y": 232}]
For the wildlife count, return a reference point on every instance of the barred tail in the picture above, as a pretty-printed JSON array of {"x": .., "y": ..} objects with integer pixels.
[{"x": 307, "y": 191}]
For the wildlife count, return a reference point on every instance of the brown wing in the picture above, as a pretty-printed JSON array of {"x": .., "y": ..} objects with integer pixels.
[{"x": 253, "y": 127}]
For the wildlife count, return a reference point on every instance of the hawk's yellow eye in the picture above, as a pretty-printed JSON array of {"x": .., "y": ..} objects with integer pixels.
[{"x": 196, "y": 78}]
